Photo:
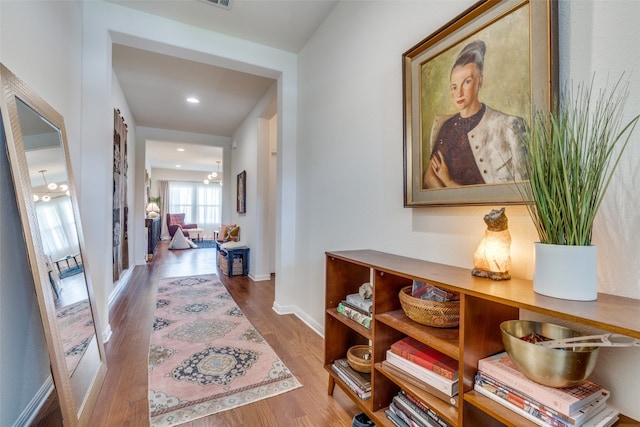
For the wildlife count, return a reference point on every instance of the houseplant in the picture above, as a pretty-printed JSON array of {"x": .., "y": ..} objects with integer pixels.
[{"x": 573, "y": 150}]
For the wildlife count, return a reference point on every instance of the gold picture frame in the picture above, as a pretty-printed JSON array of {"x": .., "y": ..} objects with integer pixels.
[{"x": 515, "y": 46}]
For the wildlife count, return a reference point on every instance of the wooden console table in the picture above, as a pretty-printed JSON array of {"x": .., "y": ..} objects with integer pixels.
[
  {"x": 484, "y": 304},
  {"x": 154, "y": 228}
]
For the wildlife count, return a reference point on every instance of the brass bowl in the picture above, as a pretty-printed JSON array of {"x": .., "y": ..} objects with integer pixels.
[{"x": 553, "y": 367}]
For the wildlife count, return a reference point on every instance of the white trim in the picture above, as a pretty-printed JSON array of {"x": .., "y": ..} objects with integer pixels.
[
  {"x": 106, "y": 333},
  {"x": 260, "y": 277},
  {"x": 307, "y": 320},
  {"x": 33, "y": 408},
  {"x": 119, "y": 285}
]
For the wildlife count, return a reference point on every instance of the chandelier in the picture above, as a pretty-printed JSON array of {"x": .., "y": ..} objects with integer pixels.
[
  {"x": 52, "y": 189},
  {"x": 213, "y": 175}
]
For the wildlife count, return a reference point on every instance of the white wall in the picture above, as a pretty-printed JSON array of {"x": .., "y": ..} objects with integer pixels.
[
  {"x": 40, "y": 42},
  {"x": 350, "y": 127},
  {"x": 252, "y": 156}
]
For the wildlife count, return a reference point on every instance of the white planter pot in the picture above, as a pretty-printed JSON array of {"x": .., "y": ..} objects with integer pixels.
[{"x": 567, "y": 272}]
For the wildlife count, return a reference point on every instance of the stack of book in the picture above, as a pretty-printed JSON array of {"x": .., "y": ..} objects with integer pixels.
[
  {"x": 357, "y": 308},
  {"x": 407, "y": 411},
  {"x": 358, "y": 382},
  {"x": 424, "y": 368},
  {"x": 581, "y": 405}
]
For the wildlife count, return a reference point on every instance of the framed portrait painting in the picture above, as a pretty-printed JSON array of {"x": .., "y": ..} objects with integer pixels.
[
  {"x": 241, "y": 206},
  {"x": 469, "y": 91}
]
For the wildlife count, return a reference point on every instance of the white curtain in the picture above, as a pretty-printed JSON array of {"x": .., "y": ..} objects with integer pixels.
[
  {"x": 201, "y": 204},
  {"x": 163, "y": 192},
  {"x": 58, "y": 227}
]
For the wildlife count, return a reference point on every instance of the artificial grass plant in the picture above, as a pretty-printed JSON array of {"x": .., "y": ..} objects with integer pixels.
[{"x": 572, "y": 151}]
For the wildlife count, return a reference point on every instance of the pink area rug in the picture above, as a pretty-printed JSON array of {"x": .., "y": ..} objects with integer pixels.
[
  {"x": 76, "y": 330},
  {"x": 205, "y": 357}
]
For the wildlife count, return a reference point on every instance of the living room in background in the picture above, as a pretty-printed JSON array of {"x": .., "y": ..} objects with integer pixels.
[{"x": 201, "y": 204}]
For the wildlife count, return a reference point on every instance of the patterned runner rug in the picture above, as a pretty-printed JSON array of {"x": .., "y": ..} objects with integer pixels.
[
  {"x": 76, "y": 330},
  {"x": 205, "y": 357}
]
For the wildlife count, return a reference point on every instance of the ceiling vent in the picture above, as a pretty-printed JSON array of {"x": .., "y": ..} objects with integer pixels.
[{"x": 225, "y": 4}]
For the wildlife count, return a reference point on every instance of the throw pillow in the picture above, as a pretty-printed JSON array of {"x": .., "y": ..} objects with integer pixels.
[
  {"x": 179, "y": 241},
  {"x": 233, "y": 234},
  {"x": 224, "y": 228}
]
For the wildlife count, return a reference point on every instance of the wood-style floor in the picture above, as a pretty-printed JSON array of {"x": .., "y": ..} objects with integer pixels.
[{"x": 123, "y": 398}]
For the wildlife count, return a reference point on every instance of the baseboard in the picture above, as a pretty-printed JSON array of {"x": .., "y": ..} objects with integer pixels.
[
  {"x": 315, "y": 326},
  {"x": 260, "y": 277},
  {"x": 106, "y": 333},
  {"x": 32, "y": 410},
  {"x": 120, "y": 285}
]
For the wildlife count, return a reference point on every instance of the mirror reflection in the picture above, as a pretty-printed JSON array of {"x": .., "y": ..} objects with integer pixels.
[{"x": 49, "y": 182}]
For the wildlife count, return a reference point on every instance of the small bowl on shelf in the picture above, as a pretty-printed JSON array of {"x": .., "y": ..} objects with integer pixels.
[
  {"x": 553, "y": 367},
  {"x": 360, "y": 357}
]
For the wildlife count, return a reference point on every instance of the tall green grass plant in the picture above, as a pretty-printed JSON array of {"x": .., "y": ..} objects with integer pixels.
[{"x": 572, "y": 153}]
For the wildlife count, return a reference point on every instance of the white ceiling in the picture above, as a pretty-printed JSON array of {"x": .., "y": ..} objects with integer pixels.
[{"x": 156, "y": 85}]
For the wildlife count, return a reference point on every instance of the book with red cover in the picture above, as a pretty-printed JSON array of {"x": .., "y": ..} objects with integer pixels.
[
  {"x": 566, "y": 400},
  {"x": 427, "y": 357},
  {"x": 445, "y": 385}
]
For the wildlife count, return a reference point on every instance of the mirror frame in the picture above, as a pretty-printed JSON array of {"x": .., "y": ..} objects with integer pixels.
[{"x": 73, "y": 412}]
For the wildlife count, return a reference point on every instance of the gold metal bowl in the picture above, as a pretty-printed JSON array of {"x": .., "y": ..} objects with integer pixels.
[{"x": 552, "y": 367}]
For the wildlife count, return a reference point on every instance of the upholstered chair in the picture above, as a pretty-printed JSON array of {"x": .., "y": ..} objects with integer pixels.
[{"x": 175, "y": 221}]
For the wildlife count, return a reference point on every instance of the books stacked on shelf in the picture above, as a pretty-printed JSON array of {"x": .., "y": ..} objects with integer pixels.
[
  {"x": 358, "y": 382},
  {"x": 404, "y": 376},
  {"x": 356, "y": 300},
  {"x": 355, "y": 313},
  {"x": 449, "y": 387},
  {"x": 427, "y": 357},
  {"x": 581, "y": 405},
  {"x": 357, "y": 309},
  {"x": 407, "y": 411}
]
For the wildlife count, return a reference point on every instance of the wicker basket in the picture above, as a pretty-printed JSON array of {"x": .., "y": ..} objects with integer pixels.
[
  {"x": 359, "y": 358},
  {"x": 430, "y": 313}
]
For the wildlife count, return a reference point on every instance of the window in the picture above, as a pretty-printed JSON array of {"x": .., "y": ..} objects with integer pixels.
[
  {"x": 57, "y": 227},
  {"x": 200, "y": 203}
]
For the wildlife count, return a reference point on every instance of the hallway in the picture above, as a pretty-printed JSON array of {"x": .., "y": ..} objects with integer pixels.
[{"x": 123, "y": 398}]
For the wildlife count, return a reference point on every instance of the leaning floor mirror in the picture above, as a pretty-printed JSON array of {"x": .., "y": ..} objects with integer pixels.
[{"x": 45, "y": 194}]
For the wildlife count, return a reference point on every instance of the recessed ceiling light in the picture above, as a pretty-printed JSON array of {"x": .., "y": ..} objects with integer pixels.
[
  {"x": 193, "y": 100},
  {"x": 178, "y": 166},
  {"x": 180, "y": 149}
]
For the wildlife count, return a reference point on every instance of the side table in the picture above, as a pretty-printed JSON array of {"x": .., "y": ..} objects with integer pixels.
[{"x": 154, "y": 228}]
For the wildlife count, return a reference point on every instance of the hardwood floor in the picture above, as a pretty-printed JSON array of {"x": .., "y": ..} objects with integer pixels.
[{"x": 123, "y": 398}]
